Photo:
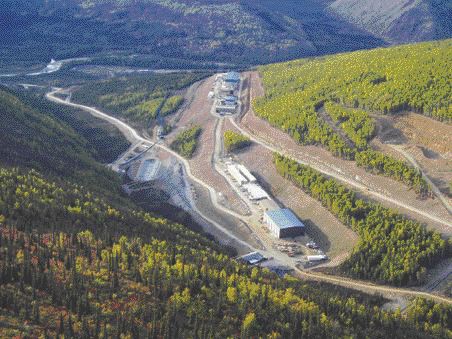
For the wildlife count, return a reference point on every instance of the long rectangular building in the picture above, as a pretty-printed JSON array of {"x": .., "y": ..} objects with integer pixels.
[
  {"x": 283, "y": 223},
  {"x": 247, "y": 174},
  {"x": 256, "y": 192},
  {"x": 237, "y": 175}
]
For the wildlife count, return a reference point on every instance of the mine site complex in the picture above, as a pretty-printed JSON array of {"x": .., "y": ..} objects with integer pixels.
[{"x": 239, "y": 198}]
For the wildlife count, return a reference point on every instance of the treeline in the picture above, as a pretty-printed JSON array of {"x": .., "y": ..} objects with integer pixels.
[
  {"x": 357, "y": 125},
  {"x": 234, "y": 141},
  {"x": 301, "y": 122},
  {"x": 171, "y": 105},
  {"x": 409, "y": 77},
  {"x": 186, "y": 141},
  {"x": 380, "y": 163},
  {"x": 392, "y": 249},
  {"x": 389, "y": 80},
  {"x": 78, "y": 286},
  {"x": 360, "y": 128},
  {"x": 138, "y": 98}
]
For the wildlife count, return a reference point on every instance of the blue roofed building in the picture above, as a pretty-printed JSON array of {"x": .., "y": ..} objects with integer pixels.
[
  {"x": 231, "y": 81},
  {"x": 283, "y": 223},
  {"x": 252, "y": 258},
  {"x": 232, "y": 77}
]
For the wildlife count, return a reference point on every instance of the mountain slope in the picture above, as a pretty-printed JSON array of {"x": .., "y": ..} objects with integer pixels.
[
  {"x": 301, "y": 95},
  {"x": 399, "y": 20},
  {"x": 76, "y": 263},
  {"x": 242, "y": 32},
  {"x": 33, "y": 139}
]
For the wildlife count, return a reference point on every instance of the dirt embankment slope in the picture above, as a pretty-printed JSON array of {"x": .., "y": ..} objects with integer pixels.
[{"x": 347, "y": 170}]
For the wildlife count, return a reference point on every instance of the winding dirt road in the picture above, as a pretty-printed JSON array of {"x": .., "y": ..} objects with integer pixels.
[
  {"x": 432, "y": 185},
  {"x": 132, "y": 135},
  {"x": 343, "y": 179}
]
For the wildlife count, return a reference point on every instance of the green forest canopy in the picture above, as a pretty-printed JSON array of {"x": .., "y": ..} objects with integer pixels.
[
  {"x": 138, "y": 98},
  {"x": 80, "y": 261},
  {"x": 235, "y": 141},
  {"x": 391, "y": 249},
  {"x": 160, "y": 281},
  {"x": 411, "y": 77},
  {"x": 186, "y": 141}
]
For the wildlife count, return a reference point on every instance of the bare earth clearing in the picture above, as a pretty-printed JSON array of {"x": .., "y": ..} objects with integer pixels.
[
  {"x": 330, "y": 234},
  {"x": 198, "y": 113},
  {"x": 321, "y": 158},
  {"x": 428, "y": 141}
]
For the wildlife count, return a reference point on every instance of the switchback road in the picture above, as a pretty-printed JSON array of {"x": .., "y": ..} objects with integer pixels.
[
  {"x": 134, "y": 137},
  {"x": 339, "y": 177}
]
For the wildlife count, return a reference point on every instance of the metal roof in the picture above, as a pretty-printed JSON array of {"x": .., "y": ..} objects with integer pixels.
[
  {"x": 232, "y": 76},
  {"x": 236, "y": 174},
  {"x": 253, "y": 258},
  {"x": 284, "y": 218},
  {"x": 256, "y": 192},
  {"x": 247, "y": 174}
]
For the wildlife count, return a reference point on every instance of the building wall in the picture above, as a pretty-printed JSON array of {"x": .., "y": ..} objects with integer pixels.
[
  {"x": 274, "y": 229},
  {"x": 291, "y": 232},
  {"x": 282, "y": 233}
]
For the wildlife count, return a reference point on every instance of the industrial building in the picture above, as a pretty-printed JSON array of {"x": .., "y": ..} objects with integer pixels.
[
  {"x": 225, "y": 109},
  {"x": 232, "y": 77},
  {"x": 245, "y": 179},
  {"x": 283, "y": 223},
  {"x": 255, "y": 191},
  {"x": 227, "y": 105},
  {"x": 227, "y": 85},
  {"x": 144, "y": 171},
  {"x": 247, "y": 174},
  {"x": 252, "y": 258},
  {"x": 232, "y": 169},
  {"x": 231, "y": 81}
]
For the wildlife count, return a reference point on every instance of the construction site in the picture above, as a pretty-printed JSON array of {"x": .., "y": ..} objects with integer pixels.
[{"x": 240, "y": 198}]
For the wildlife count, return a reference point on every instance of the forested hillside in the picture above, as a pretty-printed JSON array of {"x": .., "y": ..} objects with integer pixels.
[
  {"x": 81, "y": 262},
  {"x": 140, "y": 99},
  {"x": 32, "y": 139},
  {"x": 194, "y": 32},
  {"x": 398, "y": 20},
  {"x": 383, "y": 81},
  {"x": 392, "y": 249},
  {"x": 163, "y": 281}
]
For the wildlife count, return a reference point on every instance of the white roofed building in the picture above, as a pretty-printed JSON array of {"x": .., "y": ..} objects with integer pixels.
[
  {"x": 256, "y": 192},
  {"x": 237, "y": 175},
  {"x": 247, "y": 174}
]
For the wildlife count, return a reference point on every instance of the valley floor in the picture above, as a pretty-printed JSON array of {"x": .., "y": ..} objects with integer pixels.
[{"x": 234, "y": 221}]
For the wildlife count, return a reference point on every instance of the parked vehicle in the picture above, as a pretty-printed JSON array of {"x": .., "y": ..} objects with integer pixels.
[{"x": 312, "y": 245}]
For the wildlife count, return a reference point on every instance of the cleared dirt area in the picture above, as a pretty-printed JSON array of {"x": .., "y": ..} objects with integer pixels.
[
  {"x": 235, "y": 226},
  {"x": 347, "y": 169},
  {"x": 427, "y": 140},
  {"x": 198, "y": 113},
  {"x": 333, "y": 237},
  {"x": 435, "y": 135}
]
